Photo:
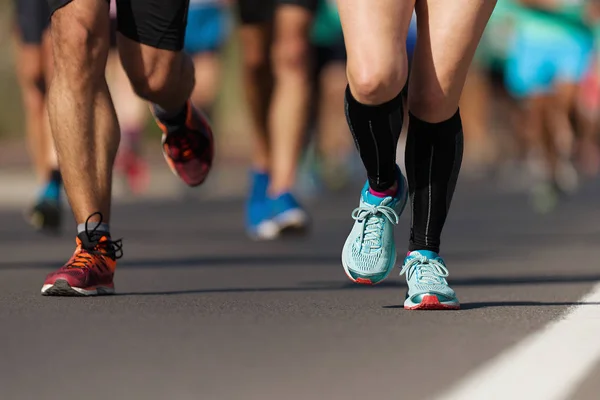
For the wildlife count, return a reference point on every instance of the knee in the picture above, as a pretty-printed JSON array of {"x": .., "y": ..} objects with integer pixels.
[
  {"x": 80, "y": 47},
  {"x": 157, "y": 71},
  {"x": 254, "y": 61},
  {"x": 376, "y": 83},
  {"x": 291, "y": 55}
]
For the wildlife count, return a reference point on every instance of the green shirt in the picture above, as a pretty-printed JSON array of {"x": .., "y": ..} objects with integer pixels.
[
  {"x": 327, "y": 29},
  {"x": 494, "y": 46},
  {"x": 566, "y": 19}
]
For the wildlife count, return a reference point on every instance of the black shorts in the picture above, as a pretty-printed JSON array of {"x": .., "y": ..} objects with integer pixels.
[
  {"x": 325, "y": 55},
  {"x": 157, "y": 23},
  {"x": 33, "y": 17},
  {"x": 254, "y": 12}
]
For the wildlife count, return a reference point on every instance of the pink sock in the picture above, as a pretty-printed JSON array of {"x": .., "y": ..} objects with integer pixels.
[{"x": 391, "y": 192}]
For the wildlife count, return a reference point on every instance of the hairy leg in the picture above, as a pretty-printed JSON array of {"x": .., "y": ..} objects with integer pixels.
[{"x": 82, "y": 117}]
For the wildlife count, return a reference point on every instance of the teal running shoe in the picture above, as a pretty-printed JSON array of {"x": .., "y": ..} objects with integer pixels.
[
  {"x": 428, "y": 289},
  {"x": 369, "y": 254}
]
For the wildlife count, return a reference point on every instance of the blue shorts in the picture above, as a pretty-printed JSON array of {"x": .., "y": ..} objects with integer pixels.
[
  {"x": 535, "y": 64},
  {"x": 207, "y": 29}
]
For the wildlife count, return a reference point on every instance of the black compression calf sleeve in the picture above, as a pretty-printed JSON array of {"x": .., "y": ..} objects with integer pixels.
[
  {"x": 433, "y": 159},
  {"x": 376, "y": 130}
]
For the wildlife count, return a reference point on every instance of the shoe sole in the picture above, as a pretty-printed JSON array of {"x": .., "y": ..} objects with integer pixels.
[
  {"x": 366, "y": 280},
  {"x": 264, "y": 231},
  {"x": 44, "y": 222},
  {"x": 430, "y": 302},
  {"x": 292, "y": 222},
  {"x": 62, "y": 288}
]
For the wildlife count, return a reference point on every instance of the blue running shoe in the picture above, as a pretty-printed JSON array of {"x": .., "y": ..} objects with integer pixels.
[
  {"x": 369, "y": 254},
  {"x": 287, "y": 214},
  {"x": 46, "y": 215},
  {"x": 258, "y": 223},
  {"x": 428, "y": 289}
]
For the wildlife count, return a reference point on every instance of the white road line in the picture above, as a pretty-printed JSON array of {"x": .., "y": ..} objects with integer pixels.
[{"x": 548, "y": 365}]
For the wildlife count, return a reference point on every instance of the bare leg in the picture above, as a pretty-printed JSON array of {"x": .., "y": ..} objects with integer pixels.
[
  {"x": 291, "y": 94},
  {"x": 449, "y": 33},
  {"x": 385, "y": 41},
  {"x": 208, "y": 69},
  {"x": 48, "y": 62},
  {"x": 131, "y": 110},
  {"x": 30, "y": 72},
  {"x": 132, "y": 114},
  {"x": 476, "y": 105},
  {"x": 257, "y": 78},
  {"x": 82, "y": 117},
  {"x": 162, "y": 77},
  {"x": 334, "y": 139}
]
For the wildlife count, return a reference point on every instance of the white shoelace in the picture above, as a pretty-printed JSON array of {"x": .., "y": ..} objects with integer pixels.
[
  {"x": 374, "y": 217},
  {"x": 429, "y": 272}
]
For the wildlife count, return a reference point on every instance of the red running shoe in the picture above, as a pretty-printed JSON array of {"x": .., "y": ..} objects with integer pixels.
[
  {"x": 189, "y": 151},
  {"x": 90, "y": 270}
]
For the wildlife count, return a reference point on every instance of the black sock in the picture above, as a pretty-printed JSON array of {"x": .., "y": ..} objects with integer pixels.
[
  {"x": 376, "y": 130},
  {"x": 172, "y": 120},
  {"x": 433, "y": 159},
  {"x": 55, "y": 177}
]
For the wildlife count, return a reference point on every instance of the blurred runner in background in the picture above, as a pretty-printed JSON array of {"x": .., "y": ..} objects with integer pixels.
[
  {"x": 276, "y": 33},
  {"x": 329, "y": 154},
  {"x": 587, "y": 148},
  {"x": 132, "y": 113},
  {"x": 479, "y": 96},
  {"x": 208, "y": 29},
  {"x": 34, "y": 69},
  {"x": 550, "y": 55}
]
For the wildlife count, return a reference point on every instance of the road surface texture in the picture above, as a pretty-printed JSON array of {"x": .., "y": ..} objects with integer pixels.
[{"x": 204, "y": 313}]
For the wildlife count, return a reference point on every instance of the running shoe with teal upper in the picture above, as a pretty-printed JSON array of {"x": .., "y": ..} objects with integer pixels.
[
  {"x": 258, "y": 216},
  {"x": 287, "y": 214},
  {"x": 428, "y": 289},
  {"x": 369, "y": 254}
]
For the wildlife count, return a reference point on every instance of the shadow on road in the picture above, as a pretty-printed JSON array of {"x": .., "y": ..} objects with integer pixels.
[
  {"x": 336, "y": 286},
  {"x": 490, "y": 304}
]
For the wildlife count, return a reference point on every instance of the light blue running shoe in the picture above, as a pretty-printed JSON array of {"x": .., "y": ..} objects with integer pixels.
[
  {"x": 369, "y": 254},
  {"x": 428, "y": 289}
]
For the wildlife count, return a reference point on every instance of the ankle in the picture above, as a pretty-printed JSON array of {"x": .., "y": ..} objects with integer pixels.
[
  {"x": 392, "y": 191},
  {"x": 174, "y": 118}
]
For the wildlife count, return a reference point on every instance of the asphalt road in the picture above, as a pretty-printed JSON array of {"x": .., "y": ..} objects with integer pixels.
[{"x": 203, "y": 313}]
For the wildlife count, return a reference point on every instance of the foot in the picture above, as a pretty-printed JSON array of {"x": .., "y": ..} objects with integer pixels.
[
  {"x": 46, "y": 216},
  {"x": 90, "y": 270},
  {"x": 189, "y": 151},
  {"x": 427, "y": 286},
  {"x": 287, "y": 214},
  {"x": 544, "y": 197},
  {"x": 369, "y": 254},
  {"x": 258, "y": 224}
]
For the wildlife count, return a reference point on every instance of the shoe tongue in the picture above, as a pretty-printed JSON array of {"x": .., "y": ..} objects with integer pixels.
[
  {"x": 89, "y": 240},
  {"x": 432, "y": 255}
]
